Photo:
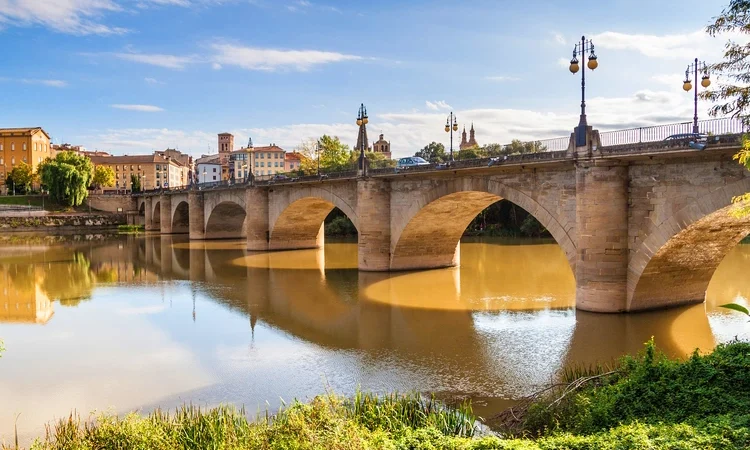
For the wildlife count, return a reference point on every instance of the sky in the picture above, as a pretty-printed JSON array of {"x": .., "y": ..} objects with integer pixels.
[{"x": 134, "y": 76}]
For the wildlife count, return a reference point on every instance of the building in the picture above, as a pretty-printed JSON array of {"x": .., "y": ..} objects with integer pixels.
[
  {"x": 182, "y": 158},
  {"x": 292, "y": 161},
  {"x": 208, "y": 169},
  {"x": 27, "y": 145},
  {"x": 382, "y": 146},
  {"x": 268, "y": 160},
  {"x": 226, "y": 147},
  {"x": 472, "y": 142},
  {"x": 154, "y": 171},
  {"x": 239, "y": 166},
  {"x": 21, "y": 298}
]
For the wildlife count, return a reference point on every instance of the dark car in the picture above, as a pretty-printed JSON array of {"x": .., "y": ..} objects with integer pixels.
[{"x": 696, "y": 140}]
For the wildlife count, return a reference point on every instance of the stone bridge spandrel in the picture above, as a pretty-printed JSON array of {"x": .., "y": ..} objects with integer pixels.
[{"x": 641, "y": 229}]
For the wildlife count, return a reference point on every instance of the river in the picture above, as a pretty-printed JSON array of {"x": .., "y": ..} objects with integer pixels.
[{"x": 134, "y": 322}]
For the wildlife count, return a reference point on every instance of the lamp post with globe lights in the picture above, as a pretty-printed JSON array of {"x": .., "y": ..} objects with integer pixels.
[
  {"x": 451, "y": 125},
  {"x": 362, "y": 121},
  {"x": 687, "y": 85},
  {"x": 586, "y": 45}
]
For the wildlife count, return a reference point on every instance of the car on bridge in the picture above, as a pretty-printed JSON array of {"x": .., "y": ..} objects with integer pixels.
[
  {"x": 696, "y": 140},
  {"x": 411, "y": 161}
]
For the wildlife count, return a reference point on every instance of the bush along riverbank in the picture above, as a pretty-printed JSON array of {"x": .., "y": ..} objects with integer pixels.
[{"x": 647, "y": 402}]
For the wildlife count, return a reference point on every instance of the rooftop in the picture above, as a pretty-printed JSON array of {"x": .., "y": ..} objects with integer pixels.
[{"x": 30, "y": 130}]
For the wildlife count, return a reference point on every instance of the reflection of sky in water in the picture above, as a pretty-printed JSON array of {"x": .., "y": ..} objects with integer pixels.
[{"x": 497, "y": 327}]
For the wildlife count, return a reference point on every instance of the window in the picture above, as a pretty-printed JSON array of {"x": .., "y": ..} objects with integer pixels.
[
  {"x": 158, "y": 183},
  {"x": 256, "y": 163},
  {"x": 262, "y": 155},
  {"x": 269, "y": 155},
  {"x": 139, "y": 167},
  {"x": 1, "y": 147},
  {"x": 35, "y": 146},
  {"x": 24, "y": 159},
  {"x": 214, "y": 172},
  {"x": 263, "y": 164},
  {"x": 131, "y": 167},
  {"x": 214, "y": 177},
  {"x": 158, "y": 167},
  {"x": 13, "y": 146},
  {"x": 24, "y": 146},
  {"x": 1, "y": 161},
  {"x": 13, "y": 160}
]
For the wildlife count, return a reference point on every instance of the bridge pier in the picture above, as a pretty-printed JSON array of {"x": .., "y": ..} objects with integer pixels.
[
  {"x": 374, "y": 234},
  {"x": 196, "y": 214},
  {"x": 602, "y": 224},
  {"x": 165, "y": 211},
  {"x": 257, "y": 219},
  {"x": 149, "y": 222}
]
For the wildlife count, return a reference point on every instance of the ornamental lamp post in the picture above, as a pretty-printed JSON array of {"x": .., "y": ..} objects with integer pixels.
[
  {"x": 362, "y": 121},
  {"x": 687, "y": 85},
  {"x": 586, "y": 45},
  {"x": 451, "y": 125}
]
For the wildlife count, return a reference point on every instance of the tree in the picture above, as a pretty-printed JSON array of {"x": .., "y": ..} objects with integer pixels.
[
  {"x": 104, "y": 176},
  {"x": 433, "y": 152},
  {"x": 494, "y": 150},
  {"x": 735, "y": 93},
  {"x": 20, "y": 178},
  {"x": 333, "y": 154},
  {"x": 470, "y": 153},
  {"x": 67, "y": 177},
  {"x": 135, "y": 183},
  {"x": 377, "y": 160},
  {"x": 732, "y": 97},
  {"x": 308, "y": 151}
]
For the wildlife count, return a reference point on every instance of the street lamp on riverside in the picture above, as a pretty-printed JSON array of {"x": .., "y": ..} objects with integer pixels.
[
  {"x": 362, "y": 121},
  {"x": 688, "y": 84},
  {"x": 317, "y": 154},
  {"x": 451, "y": 125},
  {"x": 581, "y": 49}
]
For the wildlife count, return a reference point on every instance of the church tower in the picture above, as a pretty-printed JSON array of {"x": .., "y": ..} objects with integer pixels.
[
  {"x": 464, "y": 142},
  {"x": 382, "y": 146},
  {"x": 472, "y": 139}
]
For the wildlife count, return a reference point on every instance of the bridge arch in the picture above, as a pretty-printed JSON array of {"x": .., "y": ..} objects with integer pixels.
[
  {"x": 428, "y": 231},
  {"x": 298, "y": 223},
  {"x": 181, "y": 218},
  {"x": 675, "y": 262},
  {"x": 226, "y": 221}
]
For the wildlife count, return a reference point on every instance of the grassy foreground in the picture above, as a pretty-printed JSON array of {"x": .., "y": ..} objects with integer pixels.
[{"x": 648, "y": 402}]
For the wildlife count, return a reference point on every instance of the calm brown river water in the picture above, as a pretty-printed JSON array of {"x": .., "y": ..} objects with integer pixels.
[{"x": 137, "y": 322}]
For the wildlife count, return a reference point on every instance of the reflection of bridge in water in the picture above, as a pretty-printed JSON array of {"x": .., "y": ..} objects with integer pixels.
[{"x": 331, "y": 307}]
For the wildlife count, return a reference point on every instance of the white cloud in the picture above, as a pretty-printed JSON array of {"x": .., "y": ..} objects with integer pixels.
[
  {"x": 65, "y": 16},
  {"x": 252, "y": 58},
  {"x": 157, "y": 59},
  {"x": 216, "y": 66},
  {"x": 562, "y": 62},
  {"x": 141, "y": 108},
  {"x": 150, "y": 80},
  {"x": 51, "y": 83},
  {"x": 501, "y": 78},
  {"x": 669, "y": 46},
  {"x": 559, "y": 38},
  {"x": 437, "y": 106}
]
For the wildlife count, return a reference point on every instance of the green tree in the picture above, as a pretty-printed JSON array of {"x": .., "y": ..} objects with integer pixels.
[
  {"x": 732, "y": 95},
  {"x": 20, "y": 178},
  {"x": 67, "y": 177},
  {"x": 104, "y": 176},
  {"x": 433, "y": 152},
  {"x": 377, "y": 160},
  {"x": 333, "y": 154},
  {"x": 308, "y": 150},
  {"x": 470, "y": 153},
  {"x": 135, "y": 183},
  {"x": 494, "y": 150},
  {"x": 518, "y": 147}
]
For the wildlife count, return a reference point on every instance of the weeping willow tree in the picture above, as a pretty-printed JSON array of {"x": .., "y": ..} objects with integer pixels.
[{"x": 67, "y": 177}]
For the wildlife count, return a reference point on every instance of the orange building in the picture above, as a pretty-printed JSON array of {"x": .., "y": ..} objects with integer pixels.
[{"x": 22, "y": 145}]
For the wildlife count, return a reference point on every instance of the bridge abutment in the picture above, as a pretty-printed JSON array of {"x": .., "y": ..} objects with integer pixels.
[
  {"x": 196, "y": 214},
  {"x": 374, "y": 234},
  {"x": 257, "y": 219},
  {"x": 165, "y": 200},
  {"x": 602, "y": 224}
]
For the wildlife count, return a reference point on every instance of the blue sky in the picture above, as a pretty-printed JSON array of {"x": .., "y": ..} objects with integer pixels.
[{"x": 132, "y": 76}]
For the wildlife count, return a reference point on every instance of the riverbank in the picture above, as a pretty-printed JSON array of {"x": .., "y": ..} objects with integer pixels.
[
  {"x": 647, "y": 402},
  {"x": 61, "y": 223}
]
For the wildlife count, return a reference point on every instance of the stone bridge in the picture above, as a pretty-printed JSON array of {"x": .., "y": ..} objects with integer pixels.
[{"x": 643, "y": 226}]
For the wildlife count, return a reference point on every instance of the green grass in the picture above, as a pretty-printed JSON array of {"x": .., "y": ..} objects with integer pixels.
[
  {"x": 131, "y": 229},
  {"x": 36, "y": 200},
  {"x": 646, "y": 402}
]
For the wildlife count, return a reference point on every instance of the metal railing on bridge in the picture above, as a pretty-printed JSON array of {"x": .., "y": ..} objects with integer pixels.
[{"x": 714, "y": 127}]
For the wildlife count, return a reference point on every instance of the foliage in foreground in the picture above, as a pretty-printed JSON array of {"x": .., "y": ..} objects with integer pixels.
[{"x": 710, "y": 392}]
